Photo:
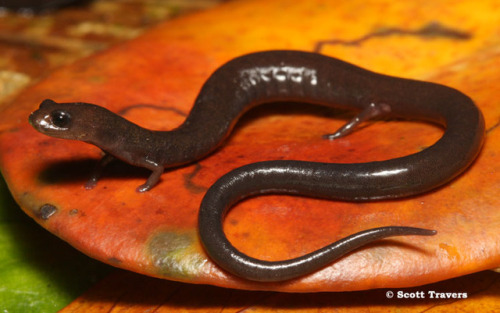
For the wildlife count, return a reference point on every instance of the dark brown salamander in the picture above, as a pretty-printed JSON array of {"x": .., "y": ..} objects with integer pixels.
[{"x": 296, "y": 76}]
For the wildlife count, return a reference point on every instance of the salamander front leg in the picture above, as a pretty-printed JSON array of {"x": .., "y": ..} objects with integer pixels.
[
  {"x": 372, "y": 111},
  {"x": 97, "y": 171},
  {"x": 152, "y": 179}
]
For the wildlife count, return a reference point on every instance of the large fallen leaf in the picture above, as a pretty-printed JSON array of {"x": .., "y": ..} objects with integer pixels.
[{"x": 155, "y": 233}]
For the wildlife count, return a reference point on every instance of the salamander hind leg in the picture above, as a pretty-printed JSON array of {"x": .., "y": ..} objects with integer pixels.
[
  {"x": 153, "y": 179},
  {"x": 372, "y": 111}
]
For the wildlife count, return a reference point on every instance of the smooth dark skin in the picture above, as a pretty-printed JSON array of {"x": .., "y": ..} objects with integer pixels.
[{"x": 271, "y": 76}]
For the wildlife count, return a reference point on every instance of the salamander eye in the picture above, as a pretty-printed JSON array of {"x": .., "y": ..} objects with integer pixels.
[{"x": 60, "y": 118}]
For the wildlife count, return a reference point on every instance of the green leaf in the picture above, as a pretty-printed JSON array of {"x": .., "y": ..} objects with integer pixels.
[{"x": 38, "y": 271}]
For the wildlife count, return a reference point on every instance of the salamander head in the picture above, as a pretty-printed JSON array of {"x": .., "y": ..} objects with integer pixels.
[{"x": 68, "y": 120}]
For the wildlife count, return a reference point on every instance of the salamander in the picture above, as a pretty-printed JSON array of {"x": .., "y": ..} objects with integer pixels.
[{"x": 286, "y": 76}]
